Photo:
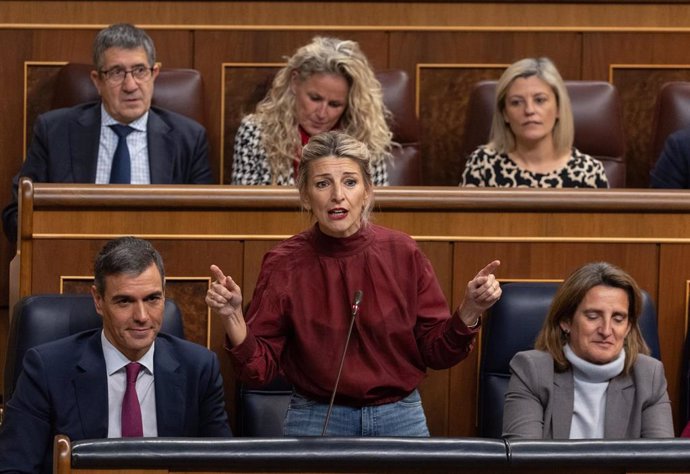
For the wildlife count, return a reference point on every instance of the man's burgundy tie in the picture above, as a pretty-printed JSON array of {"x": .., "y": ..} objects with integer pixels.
[{"x": 131, "y": 411}]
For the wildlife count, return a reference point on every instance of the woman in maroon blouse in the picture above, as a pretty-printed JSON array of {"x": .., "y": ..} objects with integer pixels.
[{"x": 299, "y": 318}]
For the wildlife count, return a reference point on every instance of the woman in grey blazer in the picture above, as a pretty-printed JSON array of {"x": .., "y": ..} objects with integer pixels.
[{"x": 590, "y": 375}]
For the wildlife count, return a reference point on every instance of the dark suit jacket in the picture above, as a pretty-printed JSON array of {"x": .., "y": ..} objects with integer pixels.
[
  {"x": 63, "y": 389},
  {"x": 64, "y": 149},
  {"x": 539, "y": 402},
  {"x": 672, "y": 169}
]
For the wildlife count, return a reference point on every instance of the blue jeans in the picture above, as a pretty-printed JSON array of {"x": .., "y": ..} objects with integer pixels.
[{"x": 404, "y": 418}]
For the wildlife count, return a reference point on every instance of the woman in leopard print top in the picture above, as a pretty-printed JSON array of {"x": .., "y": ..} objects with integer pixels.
[
  {"x": 327, "y": 84},
  {"x": 531, "y": 141},
  {"x": 486, "y": 168}
]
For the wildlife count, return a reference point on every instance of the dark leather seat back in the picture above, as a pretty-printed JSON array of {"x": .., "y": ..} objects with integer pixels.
[
  {"x": 179, "y": 90},
  {"x": 511, "y": 326},
  {"x": 596, "y": 114},
  {"x": 261, "y": 411},
  {"x": 672, "y": 113},
  {"x": 398, "y": 95},
  {"x": 39, "y": 319}
]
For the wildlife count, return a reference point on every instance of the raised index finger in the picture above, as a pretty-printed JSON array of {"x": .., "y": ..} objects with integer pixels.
[
  {"x": 217, "y": 273},
  {"x": 489, "y": 269}
]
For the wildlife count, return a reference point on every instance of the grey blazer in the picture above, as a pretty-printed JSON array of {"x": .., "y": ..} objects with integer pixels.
[{"x": 539, "y": 402}]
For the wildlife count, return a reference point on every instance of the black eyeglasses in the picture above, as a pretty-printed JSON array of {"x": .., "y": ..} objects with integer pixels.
[{"x": 117, "y": 75}]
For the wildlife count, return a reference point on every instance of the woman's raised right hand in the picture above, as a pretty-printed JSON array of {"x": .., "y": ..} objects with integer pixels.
[{"x": 224, "y": 297}]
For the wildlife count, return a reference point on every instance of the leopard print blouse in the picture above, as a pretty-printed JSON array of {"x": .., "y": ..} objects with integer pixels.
[{"x": 487, "y": 168}]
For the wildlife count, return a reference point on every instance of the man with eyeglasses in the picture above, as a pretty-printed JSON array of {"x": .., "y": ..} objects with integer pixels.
[{"x": 121, "y": 139}]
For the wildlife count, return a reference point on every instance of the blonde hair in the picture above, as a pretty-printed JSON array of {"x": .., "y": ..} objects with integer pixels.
[
  {"x": 336, "y": 145},
  {"x": 502, "y": 138},
  {"x": 551, "y": 338},
  {"x": 365, "y": 117}
]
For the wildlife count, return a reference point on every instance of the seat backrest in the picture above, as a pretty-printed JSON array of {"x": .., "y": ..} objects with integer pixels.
[
  {"x": 39, "y": 319},
  {"x": 179, "y": 90},
  {"x": 398, "y": 96},
  {"x": 261, "y": 411},
  {"x": 596, "y": 114},
  {"x": 672, "y": 113},
  {"x": 511, "y": 326}
]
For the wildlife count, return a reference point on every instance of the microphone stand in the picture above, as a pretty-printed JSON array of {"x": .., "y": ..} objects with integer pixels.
[{"x": 355, "y": 310}]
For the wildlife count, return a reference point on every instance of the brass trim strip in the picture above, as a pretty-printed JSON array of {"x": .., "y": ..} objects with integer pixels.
[
  {"x": 530, "y": 280},
  {"x": 614, "y": 66},
  {"x": 384, "y": 28},
  {"x": 72, "y": 277},
  {"x": 687, "y": 302},
  {"x": 420, "y": 238}
]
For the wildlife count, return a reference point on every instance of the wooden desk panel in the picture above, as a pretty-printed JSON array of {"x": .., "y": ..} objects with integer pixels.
[{"x": 537, "y": 234}]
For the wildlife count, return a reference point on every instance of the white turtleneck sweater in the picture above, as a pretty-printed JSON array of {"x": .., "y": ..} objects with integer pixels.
[{"x": 590, "y": 382}]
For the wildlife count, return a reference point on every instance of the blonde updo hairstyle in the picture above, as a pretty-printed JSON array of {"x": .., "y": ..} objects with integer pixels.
[
  {"x": 552, "y": 338},
  {"x": 365, "y": 117},
  {"x": 339, "y": 145},
  {"x": 502, "y": 138}
]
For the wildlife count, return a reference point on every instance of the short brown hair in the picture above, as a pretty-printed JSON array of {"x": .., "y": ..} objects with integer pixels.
[{"x": 125, "y": 255}]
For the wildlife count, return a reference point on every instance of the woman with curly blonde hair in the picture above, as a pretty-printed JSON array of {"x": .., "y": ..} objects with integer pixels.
[{"x": 327, "y": 84}]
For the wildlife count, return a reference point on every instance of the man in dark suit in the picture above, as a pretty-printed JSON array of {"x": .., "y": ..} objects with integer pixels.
[
  {"x": 672, "y": 169},
  {"x": 81, "y": 385},
  {"x": 80, "y": 144}
]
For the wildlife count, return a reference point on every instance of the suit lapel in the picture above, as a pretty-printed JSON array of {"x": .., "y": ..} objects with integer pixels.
[
  {"x": 563, "y": 403},
  {"x": 170, "y": 394},
  {"x": 91, "y": 389},
  {"x": 84, "y": 140},
  {"x": 161, "y": 149},
  {"x": 619, "y": 402}
]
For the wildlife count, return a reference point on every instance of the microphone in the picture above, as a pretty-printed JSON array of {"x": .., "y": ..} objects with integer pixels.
[{"x": 356, "y": 301}]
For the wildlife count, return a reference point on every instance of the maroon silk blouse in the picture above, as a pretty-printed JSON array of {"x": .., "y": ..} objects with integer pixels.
[{"x": 301, "y": 308}]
